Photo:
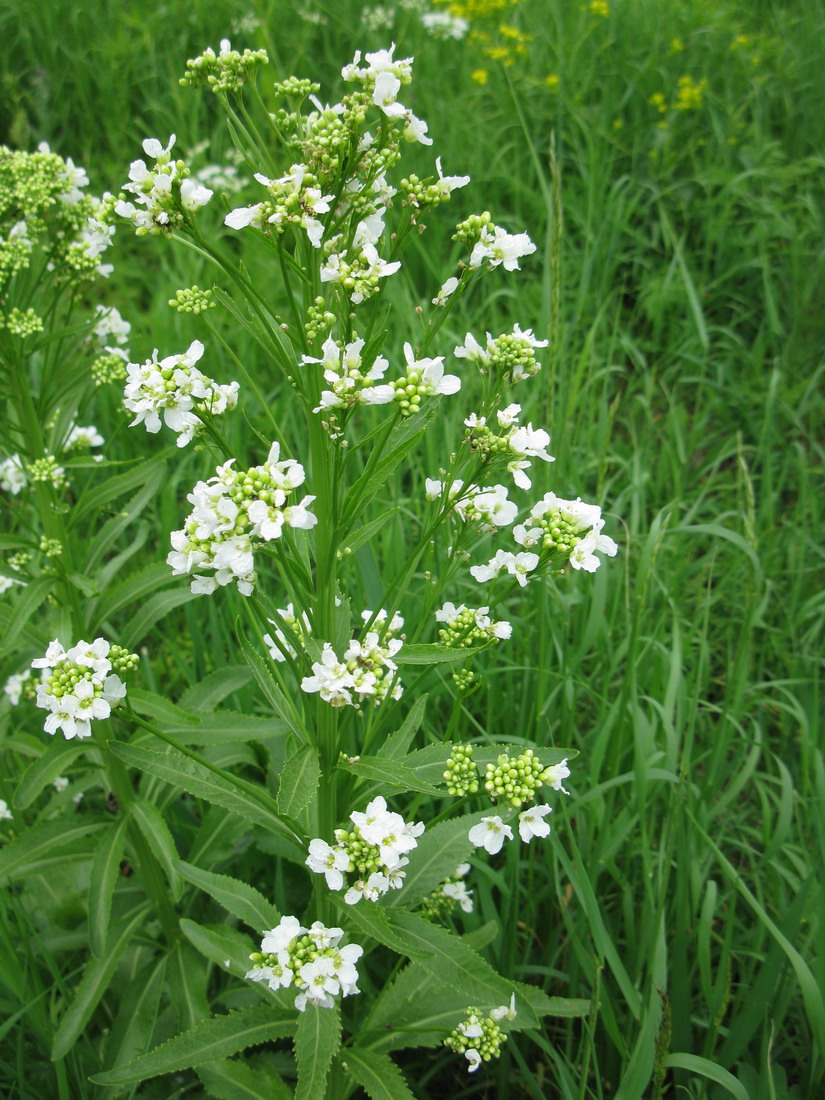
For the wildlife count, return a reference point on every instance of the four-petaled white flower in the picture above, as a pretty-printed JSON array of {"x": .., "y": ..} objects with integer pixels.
[
  {"x": 531, "y": 822},
  {"x": 490, "y": 833}
]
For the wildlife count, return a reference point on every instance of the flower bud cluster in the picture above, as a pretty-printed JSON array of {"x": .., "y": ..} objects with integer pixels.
[
  {"x": 350, "y": 383},
  {"x": 294, "y": 199},
  {"x": 22, "y": 322},
  {"x": 47, "y": 470},
  {"x": 479, "y": 1037},
  {"x": 568, "y": 527},
  {"x": 424, "y": 378},
  {"x": 296, "y": 87},
  {"x": 382, "y": 78},
  {"x": 21, "y": 685},
  {"x": 165, "y": 194},
  {"x": 453, "y": 891},
  {"x": 43, "y": 207},
  {"x": 431, "y": 193},
  {"x": 461, "y": 774},
  {"x": 514, "y": 447},
  {"x": 487, "y": 505},
  {"x": 319, "y": 320},
  {"x": 83, "y": 439},
  {"x": 233, "y": 512},
  {"x": 366, "y": 671},
  {"x": 510, "y": 356},
  {"x": 492, "y": 244},
  {"x": 514, "y": 780},
  {"x": 78, "y": 685},
  {"x": 329, "y": 133},
  {"x": 50, "y": 548},
  {"x": 309, "y": 959},
  {"x": 192, "y": 300},
  {"x": 466, "y": 627},
  {"x": 357, "y": 269},
  {"x": 176, "y": 388},
  {"x": 375, "y": 850},
  {"x": 226, "y": 71},
  {"x": 109, "y": 368},
  {"x": 465, "y": 680}
]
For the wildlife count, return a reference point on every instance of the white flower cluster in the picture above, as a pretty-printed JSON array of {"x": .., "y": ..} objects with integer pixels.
[
  {"x": 424, "y": 378},
  {"x": 467, "y": 626},
  {"x": 357, "y": 269},
  {"x": 497, "y": 246},
  {"x": 293, "y": 200},
  {"x": 523, "y": 442},
  {"x": 350, "y": 383},
  {"x": 83, "y": 439},
  {"x": 572, "y": 527},
  {"x": 175, "y": 388},
  {"x": 442, "y": 24},
  {"x": 231, "y": 512},
  {"x": 80, "y": 688},
  {"x": 367, "y": 669},
  {"x": 109, "y": 328},
  {"x": 375, "y": 849},
  {"x": 479, "y": 1038},
  {"x": 488, "y": 505},
  {"x": 309, "y": 959},
  {"x": 5, "y": 812},
  {"x": 164, "y": 193},
  {"x": 511, "y": 354},
  {"x": 15, "y": 685},
  {"x": 12, "y": 475},
  {"x": 491, "y": 832},
  {"x": 517, "y": 565},
  {"x": 280, "y": 646},
  {"x": 453, "y": 891},
  {"x": 382, "y": 78}
]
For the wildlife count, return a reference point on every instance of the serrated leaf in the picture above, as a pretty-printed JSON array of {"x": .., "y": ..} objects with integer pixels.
[
  {"x": 137, "y": 586},
  {"x": 137, "y": 1014},
  {"x": 390, "y": 773},
  {"x": 152, "y": 611},
  {"x": 235, "y": 1080},
  {"x": 317, "y": 1041},
  {"x": 102, "y": 882},
  {"x": 151, "y": 823},
  {"x": 397, "y": 744},
  {"x": 219, "y": 943},
  {"x": 238, "y": 898},
  {"x": 187, "y": 986},
  {"x": 44, "y": 770},
  {"x": 186, "y": 774},
  {"x": 41, "y": 840},
  {"x": 430, "y": 653},
  {"x": 276, "y": 698},
  {"x": 364, "y": 534},
  {"x": 440, "y": 850},
  {"x": 206, "y": 695},
  {"x": 218, "y": 1038},
  {"x": 299, "y": 781},
  {"x": 103, "y": 493},
  {"x": 402, "y": 440},
  {"x": 95, "y": 981},
  {"x": 371, "y": 920},
  {"x": 377, "y": 1074},
  {"x": 160, "y": 710}
]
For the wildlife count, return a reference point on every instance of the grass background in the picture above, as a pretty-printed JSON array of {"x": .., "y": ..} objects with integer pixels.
[{"x": 682, "y": 888}]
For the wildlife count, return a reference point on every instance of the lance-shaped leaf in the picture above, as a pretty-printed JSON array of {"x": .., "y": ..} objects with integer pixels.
[
  {"x": 151, "y": 823},
  {"x": 389, "y": 773},
  {"x": 317, "y": 1041},
  {"x": 19, "y": 857},
  {"x": 371, "y": 919},
  {"x": 220, "y": 944},
  {"x": 299, "y": 781},
  {"x": 44, "y": 770},
  {"x": 26, "y": 603},
  {"x": 212, "y": 690},
  {"x": 102, "y": 882},
  {"x": 238, "y": 898},
  {"x": 377, "y": 1074},
  {"x": 430, "y": 653},
  {"x": 220, "y": 1037},
  {"x": 276, "y": 698},
  {"x": 95, "y": 982},
  {"x": 235, "y": 1080}
]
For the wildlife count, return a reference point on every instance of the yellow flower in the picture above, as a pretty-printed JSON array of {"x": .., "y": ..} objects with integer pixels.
[
  {"x": 689, "y": 94},
  {"x": 599, "y": 7},
  {"x": 552, "y": 81},
  {"x": 480, "y": 76}
]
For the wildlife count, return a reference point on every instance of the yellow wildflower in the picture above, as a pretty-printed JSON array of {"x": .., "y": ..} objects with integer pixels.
[{"x": 480, "y": 76}]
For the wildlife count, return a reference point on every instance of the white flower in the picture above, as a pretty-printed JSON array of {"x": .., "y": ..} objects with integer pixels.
[
  {"x": 531, "y": 822},
  {"x": 449, "y": 287},
  {"x": 504, "y": 1012},
  {"x": 5, "y": 812},
  {"x": 490, "y": 833},
  {"x": 553, "y": 776},
  {"x": 459, "y": 892},
  {"x": 60, "y": 783},
  {"x": 12, "y": 475},
  {"x": 474, "y": 1058},
  {"x": 331, "y": 862},
  {"x": 499, "y": 247},
  {"x": 448, "y": 184},
  {"x": 279, "y": 938}
]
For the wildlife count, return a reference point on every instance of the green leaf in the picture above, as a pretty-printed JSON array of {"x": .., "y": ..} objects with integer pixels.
[
  {"x": 95, "y": 982},
  {"x": 238, "y": 898},
  {"x": 365, "y": 533},
  {"x": 25, "y": 604},
  {"x": 152, "y": 612},
  {"x": 218, "y": 1038},
  {"x": 377, "y": 1074},
  {"x": 103, "y": 493},
  {"x": 317, "y": 1041},
  {"x": 219, "y": 943},
  {"x": 111, "y": 531},
  {"x": 431, "y": 654},
  {"x": 403, "y": 439},
  {"x": 160, "y": 710},
  {"x": 371, "y": 920},
  {"x": 137, "y": 586},
  {"x": 19, "y": 857},
  {"x": 235, "y": 1080},
  {"x": 151, "y": 823},
  {"x": 58, "y": 755},
  {"x": 186, "y": 774},
  {"x": 137, "y": 1014},
  {"x": 104, "y": 876},
  {"x": 187, "y": 986},
  {"x": 390, "y": 773},
  {"x": 276, "y": 698},
  {"x": 206, "y": 695},
  {"x": 299, "y": 781},
  {"x": 693, "y": 1063},
  {"x": 397, "y": 744},
  {"x": 440, "y": 850}
]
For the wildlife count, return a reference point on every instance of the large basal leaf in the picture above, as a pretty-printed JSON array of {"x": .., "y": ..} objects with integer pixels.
[
  {"x": 317, "y": 1041},
  {"x": 45, "y": 769},
  {"x": 377, "y": 1074},
  {"x": 224, "y": 946},
  {"x": 95, "y": 981},
  {"x": 138, "y": 1009},
  {"x": 187, "y": 986},
  {"x": 238, "y": 898},
  {"x": 214, "y": 1039},
  {"x": 235, "y": 1080}
]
